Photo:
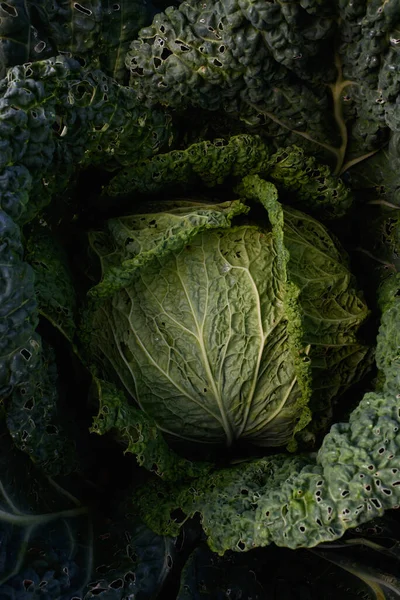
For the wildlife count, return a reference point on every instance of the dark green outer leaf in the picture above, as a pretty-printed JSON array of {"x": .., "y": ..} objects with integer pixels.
[
  {"x": 27, "y": 376},
  {"x": 97, "y": 32},
  {"x": 54, "y": 288},
  {"x": 55, "y": 117},
  {"x": 18, "y": 316},
  {"x": 132, "y": 561}
]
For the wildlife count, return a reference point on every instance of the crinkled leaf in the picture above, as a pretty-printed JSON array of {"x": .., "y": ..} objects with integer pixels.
[
  {"x": 27, "y": 375},
  {"x": 97, "y": 33},
  {"x": 143, "y": 238},
  {"x": 33, "y": 417},
  {"x": 199, "y": 340},
  {"x": 18, "y": 314},
  {"x": 55, "y": 116},
  {"x": 300, "y": 178},
  {"x": 141, "y": 436},
  {"x": 131, "y": 561},
  {"x": 320, "y": 74},
  {"x": 216, "y": 335},
  {"x": 54, "y": 288},
  {"x": 309, "y": 183},
  {"x": 207, "y": 162}
]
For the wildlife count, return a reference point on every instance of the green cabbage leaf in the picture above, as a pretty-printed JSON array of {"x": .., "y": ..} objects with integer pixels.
[{"x": 223, "y": 332}]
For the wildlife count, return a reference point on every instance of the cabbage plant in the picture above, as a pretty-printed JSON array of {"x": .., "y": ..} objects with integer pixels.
[
  {"x": 223, "y": 331},
  {"x": 194, "y": 218}
]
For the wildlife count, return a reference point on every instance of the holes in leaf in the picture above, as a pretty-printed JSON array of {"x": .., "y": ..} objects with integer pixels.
[
  {"x": 82, "y": 89},
  {"x": 319, "y": 483},
  {"x": 394, "y": 471},
  {"x": 116, "y": 7},
  {"x": 57, "y": 125},
  {"x": 162, "y": 28},
  {"x": 157, "y": 62},
  {"x": 26, "y": 354},
  {"x": 117, "y": 584},
  {"x": 81, "y": 60},
  {"x": 169, "y": 561},
  {"x": 267, "y": 514},
  {"x": 221, "y": 49},
  {"x": 138, "y": 70},
  {"x": 130, "y": 577},
  {"x": 387, "y": 491},
  {"x": 183, "y": 46},
  {"x": 318, "y": 522},
  {"x": 241, "y": 545},
  {"x": 29, "y": 404},
  {"x": 376, "y": 503},
  {"x": 10, "y": 10},
  {"x": 367, "y": 488},
  {"x": 82, "y": 9},
  {"x": 165, "y": 53},
  {"x": 345, "y": 493},
  {"x": 371, "y": 467},
  {"x": 302, "y": 529},
  {"x": 217, "y": 62},
  {"x": 40, "y": 46}
]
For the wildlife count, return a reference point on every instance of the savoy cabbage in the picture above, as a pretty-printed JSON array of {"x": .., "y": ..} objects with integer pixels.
[{"x": 200, "y": 306}]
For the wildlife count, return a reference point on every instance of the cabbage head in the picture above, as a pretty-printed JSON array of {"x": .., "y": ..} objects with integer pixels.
[{"x": 221, "y": 329}]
